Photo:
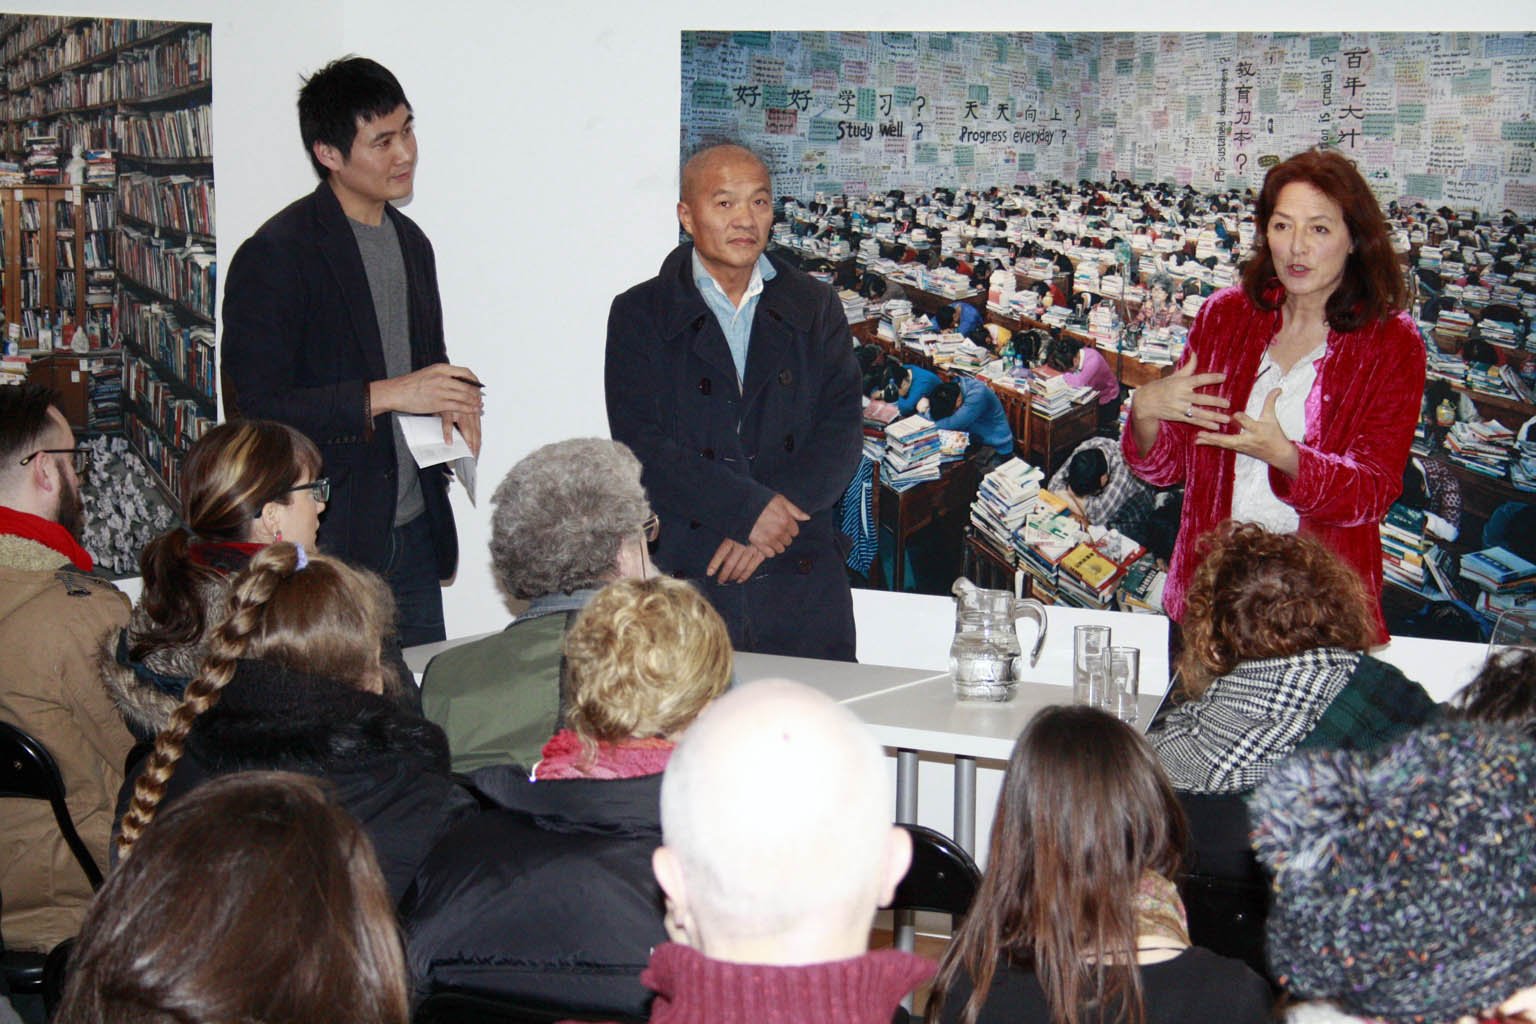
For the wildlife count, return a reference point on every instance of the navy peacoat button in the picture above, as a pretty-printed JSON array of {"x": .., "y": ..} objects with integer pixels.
[
  {"x": 708, "y": 453},
  {"x": 786, "y": 378},
  {"x": 705, "y": 387},
  {"x": 789, "y": 442},
  {"x": 803, "y": 565}
]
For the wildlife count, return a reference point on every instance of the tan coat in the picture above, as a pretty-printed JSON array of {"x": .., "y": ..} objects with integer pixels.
[{"x": 52, "y": 620}]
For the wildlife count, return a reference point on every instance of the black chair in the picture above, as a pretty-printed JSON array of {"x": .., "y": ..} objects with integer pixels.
[
  {"x": 943, "y": 878},
  {"x": 29, "y": 772},
  {"x": 1225, "y": 891},
  {"x": 471, "y": 1008}
]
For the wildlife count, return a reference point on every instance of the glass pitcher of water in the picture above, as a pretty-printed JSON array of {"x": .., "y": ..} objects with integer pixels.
[{"x": 985, "y": 659}]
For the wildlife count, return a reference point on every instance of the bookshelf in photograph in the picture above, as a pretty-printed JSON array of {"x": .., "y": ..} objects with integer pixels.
[
  {"x": 57, "y": 267},
  {"x": 132, "y": 98}
]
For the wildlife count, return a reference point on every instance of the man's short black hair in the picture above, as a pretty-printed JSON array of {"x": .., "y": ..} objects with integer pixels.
[
  {"x": 945, "y": 317},
  {"x": 943, "y": 400},
  {"x": 338, "y": 96},
  {"x": 1086, "y": 471},
  {"x": 23, "y": 421}
]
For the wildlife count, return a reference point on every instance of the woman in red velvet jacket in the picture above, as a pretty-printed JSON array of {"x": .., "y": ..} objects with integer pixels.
[{"x": 1296, "y": 401}]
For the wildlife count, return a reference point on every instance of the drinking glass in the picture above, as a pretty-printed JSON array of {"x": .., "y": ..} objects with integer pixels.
[
  {"x": 1124, "y": 683},
  {"x": 1090, "y": 665}
]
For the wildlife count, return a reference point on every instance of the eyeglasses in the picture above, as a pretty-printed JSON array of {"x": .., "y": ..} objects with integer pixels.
[
  {"x": 319, "y": 489},
  {"x": 651, "y": 528},
  {"x": 80, "y": 457}
]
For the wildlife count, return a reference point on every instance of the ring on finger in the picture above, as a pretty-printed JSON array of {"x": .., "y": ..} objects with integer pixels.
[{"x": 1189, "y": 412}]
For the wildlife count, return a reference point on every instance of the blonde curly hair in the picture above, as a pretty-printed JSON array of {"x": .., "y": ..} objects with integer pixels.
[{"x": 643, "y": 659}]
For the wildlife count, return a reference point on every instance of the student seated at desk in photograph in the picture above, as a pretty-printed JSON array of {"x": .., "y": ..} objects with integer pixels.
[
  {"x": 960, "y": 317},
  {"x": 1084, "y": 366},
  {"x": 907, "y": 385},
  {"x": 1101, "y": 490},
  {"x": 968, "y": 404},
  {"x": 878, "y": 289}
]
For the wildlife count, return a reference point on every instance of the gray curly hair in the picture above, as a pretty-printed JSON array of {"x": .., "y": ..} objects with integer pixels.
[{"x": 561, "y": 515}]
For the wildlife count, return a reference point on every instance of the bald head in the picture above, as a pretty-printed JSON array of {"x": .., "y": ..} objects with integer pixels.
[
  {"x": 704, "y": 165},
  {"x": 776, "y": 815}
]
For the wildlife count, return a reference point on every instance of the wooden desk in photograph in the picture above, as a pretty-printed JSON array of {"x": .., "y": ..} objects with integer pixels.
[
  {"x": 1052, "y": 440},
  {"x": 906, "y": 512}
]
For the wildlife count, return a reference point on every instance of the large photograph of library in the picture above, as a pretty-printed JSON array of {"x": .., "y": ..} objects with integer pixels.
[{"x": 624, "y": 518}]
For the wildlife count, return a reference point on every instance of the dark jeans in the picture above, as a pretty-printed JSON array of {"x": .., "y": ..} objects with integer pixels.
[{"x": 411, "y": 571}]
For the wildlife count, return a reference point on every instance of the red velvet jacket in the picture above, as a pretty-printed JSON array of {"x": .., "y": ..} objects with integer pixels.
[{"x": 1360, "y": 418}]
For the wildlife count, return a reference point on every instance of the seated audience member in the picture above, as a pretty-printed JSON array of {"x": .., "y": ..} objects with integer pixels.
[
  {"x": 907, "y": 385},
  {"x": 776, "y": 813},
  {"x": 1405, "y": 879},
  {"x": 1077, "y": 912},
  {"x": 493, "y": 911},
  {"x": 1504, "y": 691},
  {"x": 960, "y": 317},
  {"x": 1275, "y": 633},
  {"x": 569, "y": 517},
  {"x": 1084, "y": 366},
  {"x": 244, "y": 485},
  {"x": 968, "y": 404},
  {"x": 1101, "y": 491},
  {"x": 257, "y": 898},
  {"x": 53, "y": 618},
  {"x": 294, "y": 681}
]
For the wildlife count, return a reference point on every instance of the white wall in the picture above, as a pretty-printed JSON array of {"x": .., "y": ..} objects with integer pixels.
[{"x": 548, "y": 158}]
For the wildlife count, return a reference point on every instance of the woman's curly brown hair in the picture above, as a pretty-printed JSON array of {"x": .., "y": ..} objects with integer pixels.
[{"x": 1258, "y": 594}]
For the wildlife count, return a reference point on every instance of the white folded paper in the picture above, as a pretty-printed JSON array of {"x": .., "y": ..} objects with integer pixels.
[{"x": 424, "y": 437}]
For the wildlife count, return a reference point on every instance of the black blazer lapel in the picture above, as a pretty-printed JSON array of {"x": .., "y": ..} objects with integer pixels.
[{"x": 338, "y": 247}]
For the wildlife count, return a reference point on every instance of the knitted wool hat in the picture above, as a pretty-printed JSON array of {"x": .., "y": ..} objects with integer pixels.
[{"x": 1405, "y": 879}]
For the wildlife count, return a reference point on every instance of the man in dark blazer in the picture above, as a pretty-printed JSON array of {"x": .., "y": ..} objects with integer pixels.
[
  {"x": 731, "y": 376},
  {"x": 332, "y": 321}
]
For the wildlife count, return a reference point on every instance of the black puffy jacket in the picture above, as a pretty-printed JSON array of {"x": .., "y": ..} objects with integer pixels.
[{"x": 548, "y": 898}]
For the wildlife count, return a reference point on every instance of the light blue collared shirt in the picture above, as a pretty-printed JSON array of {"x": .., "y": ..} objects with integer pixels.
[{"x": 735, "y": 321}]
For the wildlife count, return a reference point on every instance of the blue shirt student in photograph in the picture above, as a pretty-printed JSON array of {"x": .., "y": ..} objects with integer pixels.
[
  {"x": 906, "y": 385},
  {"x": 958, "y": 316},
  {"x": 968, "y": 404}
]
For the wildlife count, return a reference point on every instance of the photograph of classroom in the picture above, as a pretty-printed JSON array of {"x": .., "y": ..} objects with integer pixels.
[{"x": 701, "y": 493}]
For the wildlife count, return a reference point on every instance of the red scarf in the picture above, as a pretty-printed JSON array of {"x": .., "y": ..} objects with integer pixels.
[
  {"x": 45, "y": 532},
  {"x": 565, "y": 757}
]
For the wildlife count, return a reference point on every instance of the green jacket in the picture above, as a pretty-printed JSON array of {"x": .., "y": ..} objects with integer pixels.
[{"x": 498, "y": 699}]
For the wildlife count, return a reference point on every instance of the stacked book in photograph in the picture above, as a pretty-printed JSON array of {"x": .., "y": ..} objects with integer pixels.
[
  {"x": 913, "y": 453},
  {"x": 854, "y": 306},
  {"x": 42, "y": 161},
  {"x": 1484, "y": 448},
  {"x": 1141, "y": 588},
  {"x": 1053, "y": 396},
  {"x": 1403, "y": 545},
  {"x": 1087, "y": 578},
  {"x": 1004, "y": 499},
  {"x": 1500, "y": 574},
  {"x": 1048, "y": 534}
]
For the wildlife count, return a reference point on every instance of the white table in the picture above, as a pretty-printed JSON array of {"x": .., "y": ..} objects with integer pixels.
[{"x": 914, "y": 710}]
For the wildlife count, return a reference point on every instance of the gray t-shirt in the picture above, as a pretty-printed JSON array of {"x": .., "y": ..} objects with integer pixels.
[{"x": 385, "y": 267}]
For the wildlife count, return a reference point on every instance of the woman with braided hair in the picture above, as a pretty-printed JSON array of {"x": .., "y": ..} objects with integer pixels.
[
  {"x": 245, "y": 485},
  {"x": 293, "y": 681}
]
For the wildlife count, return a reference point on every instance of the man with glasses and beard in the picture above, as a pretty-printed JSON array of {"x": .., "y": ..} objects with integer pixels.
[{"x": 53, "y": 616}]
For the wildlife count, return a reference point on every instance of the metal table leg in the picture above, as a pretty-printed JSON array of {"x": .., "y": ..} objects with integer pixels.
[
  {"x": 906, "y": 814},
  {"x": 965, "y": 803}
]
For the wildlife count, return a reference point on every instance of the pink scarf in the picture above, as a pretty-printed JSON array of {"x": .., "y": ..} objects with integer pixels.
[{"x": 567, "y": 756}]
